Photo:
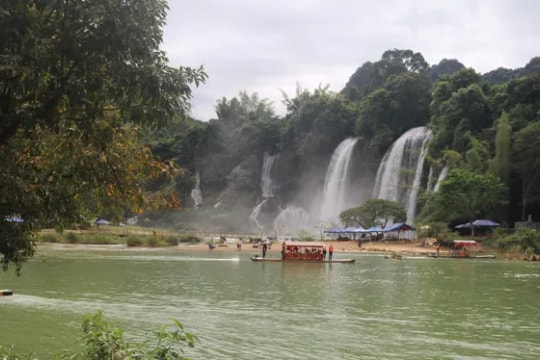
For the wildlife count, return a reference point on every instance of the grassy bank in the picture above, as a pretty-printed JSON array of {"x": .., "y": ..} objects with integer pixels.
[{"x": 113, "y": 235}]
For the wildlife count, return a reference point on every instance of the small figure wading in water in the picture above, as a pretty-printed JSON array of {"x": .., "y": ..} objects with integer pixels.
[{"x": 264, "y": 248}]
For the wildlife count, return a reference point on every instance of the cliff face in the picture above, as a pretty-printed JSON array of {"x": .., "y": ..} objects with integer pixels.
[{"x": 241, "y": 185}]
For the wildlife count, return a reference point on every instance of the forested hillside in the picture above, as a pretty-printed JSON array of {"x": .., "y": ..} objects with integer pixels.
[{"x": 485, "y": 125}]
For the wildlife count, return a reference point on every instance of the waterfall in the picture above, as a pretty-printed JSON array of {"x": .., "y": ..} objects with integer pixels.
[
  {"x": 291, "y": 220},
  {"x": 400, "y": 171},
  {"x": 336, "y": 181},
  {"x": 434, "y": 187},
  {"x": 196, "y": 193},
  {"x": 267, "y": 187},
  {"x": 267, "y": 190},
  {"x": 442, "y": 176},
  {"x": 429, "y": 186},
  {"x": 254, "y": 217}
]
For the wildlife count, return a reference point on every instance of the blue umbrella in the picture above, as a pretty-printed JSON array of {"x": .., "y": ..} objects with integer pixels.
[
  {"x": 373, "y": 229},
  {"x": 478, "y": 223},
  {"x": 352, "y": 229},
  {"x": 485, "y": 222},
  {"x": 399, "y": 227}
]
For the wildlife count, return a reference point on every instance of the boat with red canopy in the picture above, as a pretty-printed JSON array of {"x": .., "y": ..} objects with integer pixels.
[{"x": 303, "y": 251}]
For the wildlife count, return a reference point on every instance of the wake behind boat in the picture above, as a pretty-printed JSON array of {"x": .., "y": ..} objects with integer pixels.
[{"x": 312, "y": 252}]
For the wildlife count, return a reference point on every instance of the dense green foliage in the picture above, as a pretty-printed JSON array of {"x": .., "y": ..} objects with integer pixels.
[
  {"x": 137, "y": 237},
  {"x": 104, "y": 341},
  {"x": 374, "y": 212},
  {"x": 522, "y": 241},
  {"x": 78, "y": 80},
  {"x": 465, "y": 195}
]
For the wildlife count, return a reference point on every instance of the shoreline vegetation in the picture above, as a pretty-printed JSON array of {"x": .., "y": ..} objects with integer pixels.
[{"x": 147, "y": 239}]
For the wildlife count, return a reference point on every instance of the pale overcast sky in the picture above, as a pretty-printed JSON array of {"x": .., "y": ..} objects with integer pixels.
[{"x": 269, "y": 46}]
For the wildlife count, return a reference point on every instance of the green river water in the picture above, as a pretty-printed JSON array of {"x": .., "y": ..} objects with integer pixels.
[{"x": 373, "y": 309}]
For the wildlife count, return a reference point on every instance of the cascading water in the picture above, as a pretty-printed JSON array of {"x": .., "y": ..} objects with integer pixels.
[
  {"x": 429, "y": 186},
  {"x": 291, "y": 220},
  {"x": 336, "y": 181},
  {"x": 196, "y": 193},
  {"x": 442, "y": 176},
  {"x": 254, "y": 217},
  {"x": 267, "y": 186},
  {"x": 400, "y": 171},
  {"x": 267, "y": 189},
  {"x": 434, "y": 187}
]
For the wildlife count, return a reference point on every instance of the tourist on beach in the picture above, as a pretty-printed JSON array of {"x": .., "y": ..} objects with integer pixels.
[
  {"x": 264, "y": 248},
  {"x": 330, "y": 252}
]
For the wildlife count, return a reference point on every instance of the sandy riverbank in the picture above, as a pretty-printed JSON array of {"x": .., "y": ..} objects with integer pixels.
[{"x": 412, "y": 247}]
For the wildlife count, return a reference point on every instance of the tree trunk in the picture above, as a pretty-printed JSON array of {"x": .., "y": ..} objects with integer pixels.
[{"x": 524, "y": 200}]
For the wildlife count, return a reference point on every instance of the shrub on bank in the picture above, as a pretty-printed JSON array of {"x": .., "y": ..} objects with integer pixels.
[
  {"x": 171, "y": 240},
  {"x": 103, "y": 341},
  {"x": 156, "y": 239},
  {"x": 72, "y": 238},
  {"x": 189, "y": 239},
  {"x": 523, "y": 240},
  {"x": 153, "y": 241},
  {"x": 49, "y": 237},
  {"x": 134, "y": 240}
]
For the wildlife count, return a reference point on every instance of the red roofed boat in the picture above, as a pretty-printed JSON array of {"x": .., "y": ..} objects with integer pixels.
[{"x": 303, "y": 251}]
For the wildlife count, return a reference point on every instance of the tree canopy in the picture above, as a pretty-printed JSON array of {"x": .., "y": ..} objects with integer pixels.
[
  {"x": 78, "y": 80},
  {"x": 374, "y": 212},
  {"x": 464, "y": 196}
]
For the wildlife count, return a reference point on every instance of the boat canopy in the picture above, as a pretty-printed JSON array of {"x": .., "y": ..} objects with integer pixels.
[{"x": 465, "y": 242}]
